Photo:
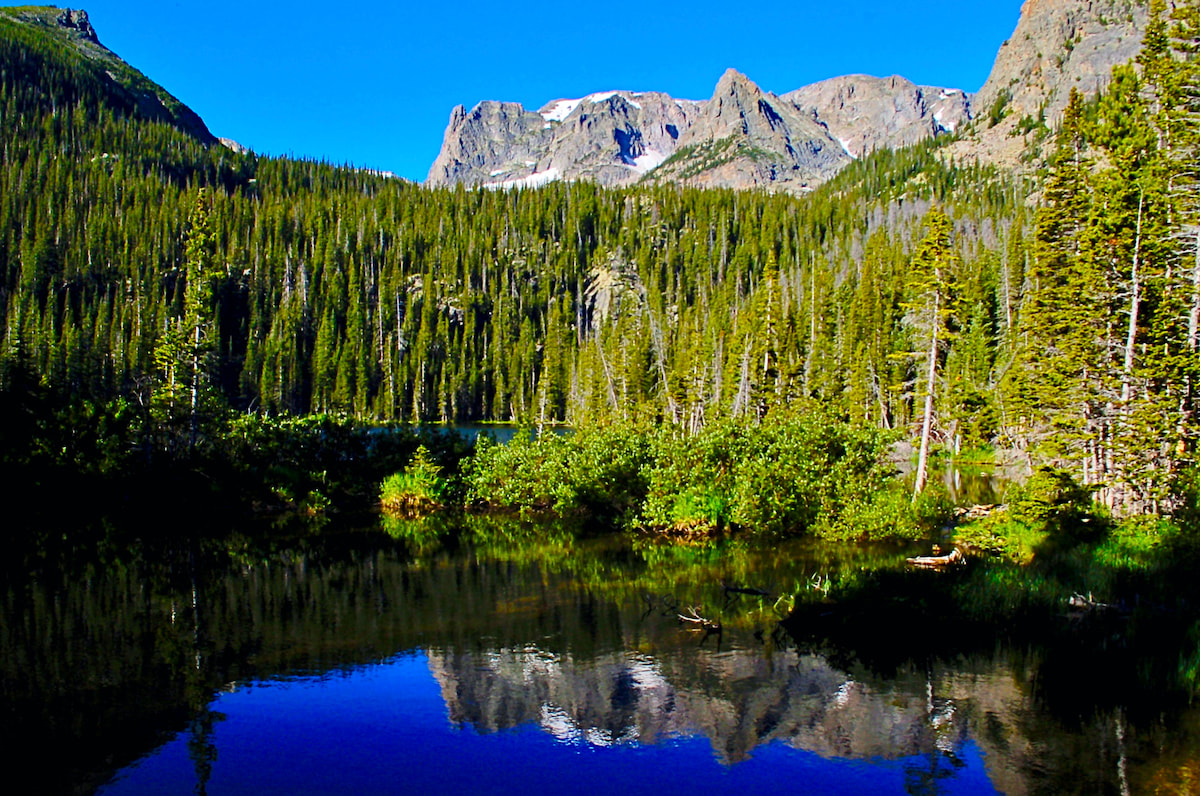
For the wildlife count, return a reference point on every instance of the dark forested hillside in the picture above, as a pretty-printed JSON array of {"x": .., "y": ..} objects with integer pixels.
[{"x": 137, "y": 259}]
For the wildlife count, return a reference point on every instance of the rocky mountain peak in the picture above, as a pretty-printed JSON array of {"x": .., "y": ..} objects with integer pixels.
[
  {"x": 125, "y": 88},
  {"x": 736, "y": 105},
  {"x": 733, "y": 82},
  {"x": 78, "y": 21},
  {"x": 867, "y": 113},
  {"x": 1059, "y": 45},
  {"x": 743, "y": 136}
]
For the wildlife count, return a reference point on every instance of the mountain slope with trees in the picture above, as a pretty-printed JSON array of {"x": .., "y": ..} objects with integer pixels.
[{"x": 142, "y": 263}]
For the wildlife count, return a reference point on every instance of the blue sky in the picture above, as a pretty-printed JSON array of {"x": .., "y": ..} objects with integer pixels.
[{"x": 373, "y": 83}]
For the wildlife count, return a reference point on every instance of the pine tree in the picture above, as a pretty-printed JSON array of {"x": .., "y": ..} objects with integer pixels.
[
  {"x": 183, "y": 354},
  {"x": 933, "y": 273}
]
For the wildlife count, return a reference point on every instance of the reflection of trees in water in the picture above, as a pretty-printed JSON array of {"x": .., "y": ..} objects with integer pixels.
[{"x": 570, "y": 646}]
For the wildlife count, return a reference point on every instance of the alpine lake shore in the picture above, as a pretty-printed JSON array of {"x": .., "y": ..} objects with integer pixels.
[{"x": 756, "y": 553}]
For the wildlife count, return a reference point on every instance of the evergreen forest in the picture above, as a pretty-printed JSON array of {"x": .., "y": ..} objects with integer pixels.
[{"x": 158, "y": 280}]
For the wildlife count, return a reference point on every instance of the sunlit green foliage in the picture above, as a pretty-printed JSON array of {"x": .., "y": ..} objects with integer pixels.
[
  {"x": 1048, "y": 513},
  {"x": 419, "y": 488},
  {"x": 784, "y": 476}
]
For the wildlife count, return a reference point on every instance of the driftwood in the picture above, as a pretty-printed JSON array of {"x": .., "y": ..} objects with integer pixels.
[
  {"x": 954, "y": 558},
  {"x": 693, "y": 617},
  {"x": 1078, "y": 602},
  {"x": 665, "y": 605}
]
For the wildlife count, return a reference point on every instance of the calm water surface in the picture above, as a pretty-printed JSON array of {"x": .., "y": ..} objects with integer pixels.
[{"x": 503, "y": 656}]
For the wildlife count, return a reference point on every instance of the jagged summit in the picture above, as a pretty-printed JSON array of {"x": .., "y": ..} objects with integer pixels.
[
  {"x": 78, "y": 21},
  {"x": 746, "y": 137},
  {"x": 741, "y": 137},
  {"x": 867, "y": 113}
]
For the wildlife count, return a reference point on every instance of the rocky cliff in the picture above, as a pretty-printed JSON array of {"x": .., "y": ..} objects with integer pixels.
[
  {"x": 745, "y": 137},
  {"x": 742, "y": 137},
  {"x": 867, "y": 113},
  {"x": 1057, "y": 45}
]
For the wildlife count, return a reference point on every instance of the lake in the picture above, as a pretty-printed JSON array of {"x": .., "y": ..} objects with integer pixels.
[{"x": 503, "y": 656}]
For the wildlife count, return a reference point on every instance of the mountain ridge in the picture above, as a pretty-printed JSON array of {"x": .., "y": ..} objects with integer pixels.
[{"x": 744, "y": 137}]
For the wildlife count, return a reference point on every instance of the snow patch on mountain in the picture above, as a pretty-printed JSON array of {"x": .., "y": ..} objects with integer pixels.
[
  {"x": 535, "y": 180},
  {"x": 647, "y": 161},
  {"x": 560, "y": 110}
]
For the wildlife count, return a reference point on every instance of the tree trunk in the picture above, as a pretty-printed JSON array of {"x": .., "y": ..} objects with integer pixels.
[
  {"x": 1135, "y": 305},
  {"x": 931, "y": 383}
]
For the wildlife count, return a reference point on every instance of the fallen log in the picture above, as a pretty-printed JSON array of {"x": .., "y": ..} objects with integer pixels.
[
  {"x": 954, "y": 558},
  {"x": 693, "y": 617},
  {"x": 1078, "y": 602}
]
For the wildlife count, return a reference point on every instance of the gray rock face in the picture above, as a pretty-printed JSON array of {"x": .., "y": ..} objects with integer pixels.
[
  {"x": 741, "y": 137},
  {"x": 234, "y": 146},
  {"x": 1060, "y": 44},
  {"x": 613, "y": 138},
  {"x": 78, "y": 21},
  {"x": 746, "y": 137},
  {"x": 867, "y": 113}
]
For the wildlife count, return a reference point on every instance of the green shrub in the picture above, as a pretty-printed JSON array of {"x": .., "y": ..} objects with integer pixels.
[
  {"x": 523, "y": 474},
  {"x": 1001, "y": 535},
  {"x": 778, "y": 477},
  {"x": 599, "y": 471},
  {"x": 1048, "y": 514},
  {"x": 690, "y": 482},
  {"x": 418, "y": 489},
  {"x": 885, "y": 514}
]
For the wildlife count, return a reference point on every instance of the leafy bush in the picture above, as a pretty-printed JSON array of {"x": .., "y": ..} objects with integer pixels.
[
  {"x": 418, "y": 489},
  {"x": 523, "y": 474},
  {"x": 783, "y": 476},
  {"x": 690, "y": 483},
  {"x": 1049, "y": 513},
  {"x": 885, "y": 514},
  {"x": 1000, "y": 535},
  {"x": 808, "y": 470},
  {"x": 599, "y": 471}
]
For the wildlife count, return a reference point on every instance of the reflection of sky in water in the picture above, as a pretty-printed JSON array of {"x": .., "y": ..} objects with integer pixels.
[{"x": 385, "y": 729}]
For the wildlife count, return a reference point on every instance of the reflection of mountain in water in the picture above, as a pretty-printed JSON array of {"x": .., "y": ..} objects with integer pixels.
[
  {"x": 743, "y": 699},
  {"x": 106, "y": 663},
  {"x": 738, "y": 700}
]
